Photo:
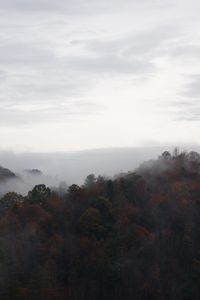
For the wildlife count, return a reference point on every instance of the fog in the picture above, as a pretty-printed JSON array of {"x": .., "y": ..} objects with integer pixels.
[{"x": 72, "y": 167}]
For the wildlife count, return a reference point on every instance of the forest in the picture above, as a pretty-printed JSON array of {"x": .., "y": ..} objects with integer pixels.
[{"x": 134, "y": 236}]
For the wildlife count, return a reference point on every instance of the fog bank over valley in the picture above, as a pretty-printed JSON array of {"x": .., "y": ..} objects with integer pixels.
[{"x": 71, "y": 167}]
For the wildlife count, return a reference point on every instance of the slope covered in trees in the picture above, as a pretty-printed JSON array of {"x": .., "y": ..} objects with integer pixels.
[
  {"x": 136, "y": 236},
  {"x": 6, "y": 174}
]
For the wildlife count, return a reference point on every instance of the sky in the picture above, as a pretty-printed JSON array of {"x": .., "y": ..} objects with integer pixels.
[{"x": 87, "y": 74}]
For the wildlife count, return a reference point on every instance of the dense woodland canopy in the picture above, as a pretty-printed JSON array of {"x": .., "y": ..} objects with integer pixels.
[{"x": 136, "y": 236}]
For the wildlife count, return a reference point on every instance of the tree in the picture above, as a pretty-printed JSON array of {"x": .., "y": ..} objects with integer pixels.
[
  {"x": 194, "y": 156},
  {"x": 74, "y": 188},
  {"x": 39, "y": 194},
  {"x": 91, "y": 222},
  {"x": 10, "y": 199},
  {"x": 90, "y": 181},
  {"x": 166, "y": 155}
]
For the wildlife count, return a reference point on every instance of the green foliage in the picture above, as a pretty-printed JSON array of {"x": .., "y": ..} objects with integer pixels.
[
  {"x": 90, "y": 181},
  {"x": 74, "y": 188},
  {"x": 39, "y": 194}
]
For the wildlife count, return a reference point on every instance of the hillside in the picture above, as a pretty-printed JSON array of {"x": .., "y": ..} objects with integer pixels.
[
  {"x": 6, "y": 174},
  {"x": 136, "y": 236}
]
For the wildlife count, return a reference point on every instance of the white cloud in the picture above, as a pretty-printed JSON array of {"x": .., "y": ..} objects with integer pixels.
[{"x": 94, "y": 73}]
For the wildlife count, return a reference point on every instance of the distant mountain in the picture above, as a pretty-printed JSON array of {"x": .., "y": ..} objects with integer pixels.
[
  {"x": 6, "y": 174},
  {"x": 73, "y": 167},
  {"x": 34, "y": 172}
]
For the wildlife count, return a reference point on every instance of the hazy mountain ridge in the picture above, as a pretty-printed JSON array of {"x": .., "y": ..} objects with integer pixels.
[
  {"x": 6, "y": 174},
  {"x": 73, "y": 167}
]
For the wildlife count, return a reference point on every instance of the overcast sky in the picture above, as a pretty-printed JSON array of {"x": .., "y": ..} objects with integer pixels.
[{"x": 80, "y": 74}]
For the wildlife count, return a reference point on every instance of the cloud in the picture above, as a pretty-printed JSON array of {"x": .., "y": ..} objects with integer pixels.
[
  {"x": 183, "y": 50},
  {"x": 2, "y": 75},
  {"x": 136, "y": 44},
  {"x": 42, "y": 86},
  {"x": 190, "y": 115},
  {"x": 37, "y": 113},
  {"x": 62, "y": 60},
  {"x": 133, "y": 54},
  {"x": 110, "y": 64},
  {"x": 187, "y": 105},
  {"x": 21, "y": 53},
  {"x": 37, "y": 5},
  {"x": 192, "y": 88},
  {"x": 72, "y": 6}
]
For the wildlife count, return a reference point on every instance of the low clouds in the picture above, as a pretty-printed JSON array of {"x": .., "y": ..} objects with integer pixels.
[{"x": 73, "y": 167}]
